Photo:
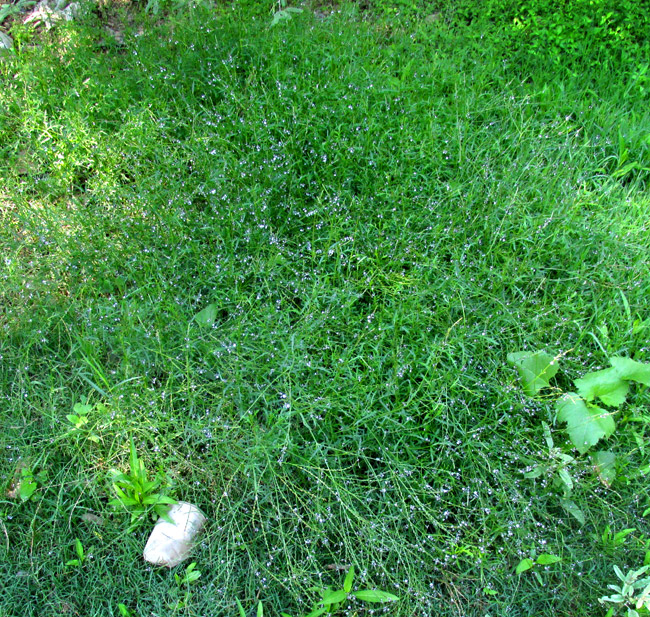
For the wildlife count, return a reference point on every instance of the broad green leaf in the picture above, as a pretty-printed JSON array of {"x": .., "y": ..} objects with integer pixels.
[
  {"x": 605, "y": 466},
  {"x": 317, "y": 611},
  {"x": 192, "y": 576},
  {"x": 260, "y": 609},
  {"x": 207, "y": 316},
  {"x": 79, "y": 548},
  {"x": 632, "y": 370},
  {"x": 547, "y": 435},
  {"x": 374, "y": 595},
  {"x": 335, "y": 597},
  {"x": 242, "y": 612},
  {"x": 546, "y": 560},
  {"x": 586, "y": 424},
  {"x": 535, "y": 369},
  {"x": 27, "y": 488},
  {"x": 536, "y": 472},
  {"x": 565, "y": 479},
  {"x": 571, "y": 507},
  {"x": 72, "y": 419},
  {"x": 82, "y": 410},
  {"x": 349, "y": 577},
  {"x": 607, "y": 385},
  {"x": 523, "y": 565}
]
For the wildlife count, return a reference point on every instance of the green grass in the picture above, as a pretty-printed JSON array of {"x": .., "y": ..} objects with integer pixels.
[{"x": 380, "y": 214}]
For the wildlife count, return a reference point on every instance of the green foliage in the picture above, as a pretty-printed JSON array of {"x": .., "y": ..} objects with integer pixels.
[
  {"x": 613, "y": 540},
  {"x": 535, "y": 369},
  {"x": 283, "y": 12},
  {"x": 331, "y": 600},
  {"x": 633, "y": 594},
  {"x": 14, "y": 8},
  {"x": 136, "y": 493},
  {"x": 29, "y": 482},
  {"x": 79, "y": 420},
  {"x": 190, "y": 575},
  {"x": 581, "y": 31},
  {"x": 586, "y": 424},
  {"x": 542, "y": 560},
  {"x": 374, "y": 209},
  {"x": 125, "y": 611},
  {"x": 79, "y": 549}
]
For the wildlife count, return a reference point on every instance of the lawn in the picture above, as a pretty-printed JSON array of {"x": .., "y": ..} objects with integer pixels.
[{"x": 290, "y": 263}]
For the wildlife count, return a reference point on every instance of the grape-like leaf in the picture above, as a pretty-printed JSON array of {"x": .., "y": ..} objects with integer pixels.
[
  {"x": 207, "y": 316},
  {"x": 535, "y": 369},
  {"x": 631, "y": 370},
  {"x": 605, "y": 466},
  {"x": 607, "y": 385},
  {"x": 586, "y": 424},
  {"x": 27, "y": 488}
]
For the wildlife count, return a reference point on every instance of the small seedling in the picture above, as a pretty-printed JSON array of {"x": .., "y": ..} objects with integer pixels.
[
  {"x": 558, "y": 467},
  {"x": 79, "y": 420},
  {"x": 29, "y": 482},
  {"x": 189, "y": 577},
  {"x": 136, "y": 493},
  {"x": 185, "y": 581},
  {"x": 612, "y": 540},
  {"x": 282, "y": 12},
  {"x": 331, "y": 600},
  {"x": 79, "y": 549},
  {"x": 529, "y": 564},
  {"x": 124, "y": 611}
]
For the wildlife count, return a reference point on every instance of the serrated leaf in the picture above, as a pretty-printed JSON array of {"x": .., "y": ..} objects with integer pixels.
[
  {"x": 607, "y": 385},
  {"x": 605, "y": 466},
  {"x": 374, "y": 595},
  {"x": 535, "y": 369},
  {"x": 335, "y": 597},
  {"x": 632, "y": 370},
  {"x": 523, "y": 565},
  {"x": 586, "y": 424},
  {"x": 546, "y": 560},
  {"x": 207, "y": 316},
  {"x": 571, "y": 507},
  {"x": 349, "y": 577}
]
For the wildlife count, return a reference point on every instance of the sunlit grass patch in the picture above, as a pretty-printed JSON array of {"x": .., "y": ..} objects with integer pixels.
[{"x": 368, "y": 220}]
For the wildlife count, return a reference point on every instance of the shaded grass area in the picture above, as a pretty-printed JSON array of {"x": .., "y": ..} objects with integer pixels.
[{"x": 379, "y": 216}]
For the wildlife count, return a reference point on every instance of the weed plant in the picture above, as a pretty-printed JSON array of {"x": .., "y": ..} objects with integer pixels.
[{"x": 367, "y": 218}]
